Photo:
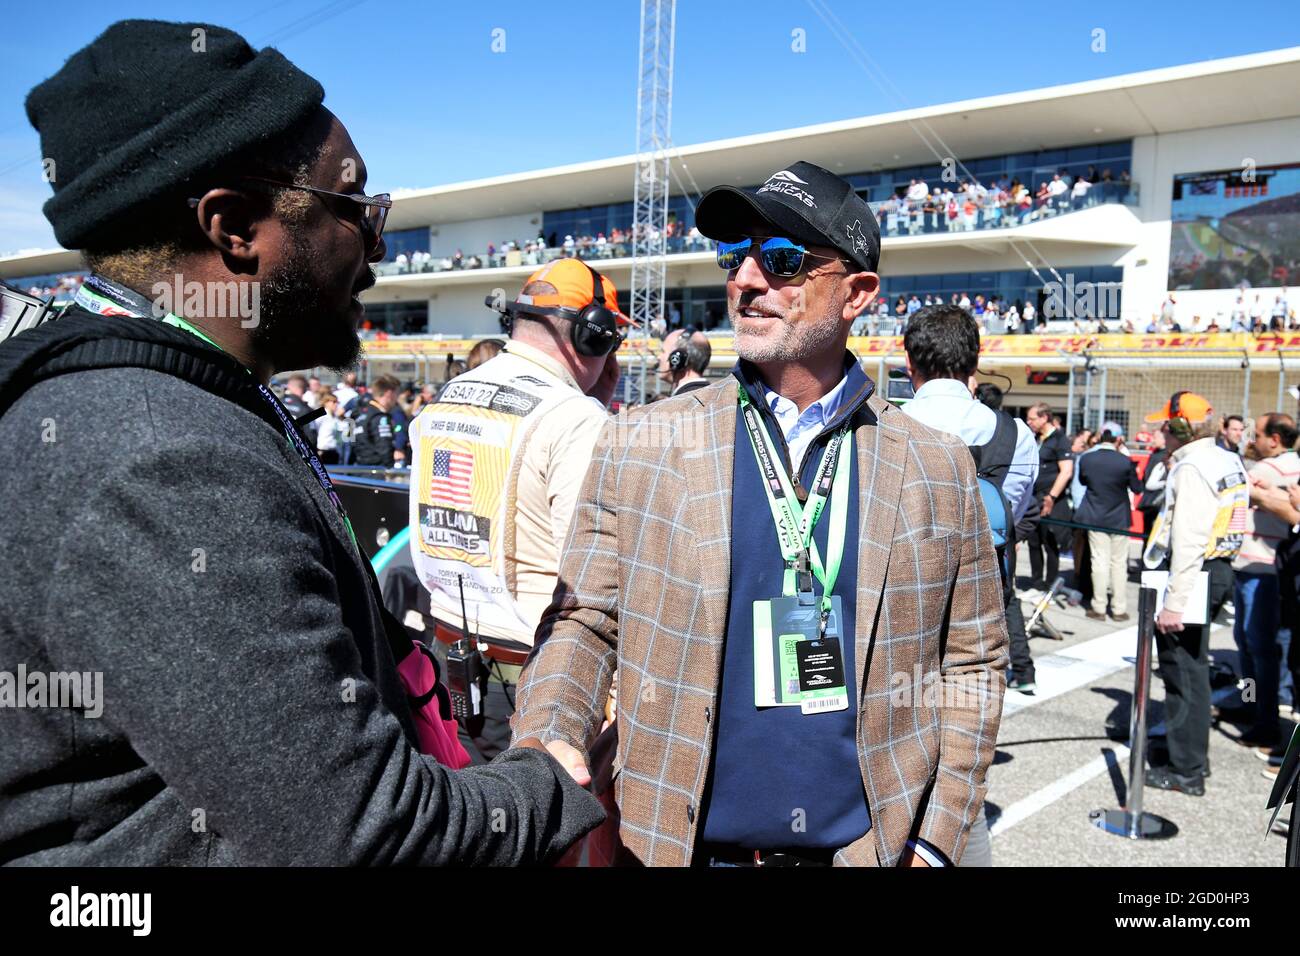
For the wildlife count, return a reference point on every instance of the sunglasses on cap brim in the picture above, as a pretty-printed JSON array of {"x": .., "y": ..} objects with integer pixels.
[{"x": 778, "y": 256}]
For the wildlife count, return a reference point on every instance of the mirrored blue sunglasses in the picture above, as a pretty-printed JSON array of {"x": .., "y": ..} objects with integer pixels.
[{"x": 778, "y": 256}]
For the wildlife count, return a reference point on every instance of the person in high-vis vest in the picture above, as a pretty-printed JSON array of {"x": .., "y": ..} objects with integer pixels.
[
  {"x": 1201, "y": 528},
  {"x": 498, "y": 461}
]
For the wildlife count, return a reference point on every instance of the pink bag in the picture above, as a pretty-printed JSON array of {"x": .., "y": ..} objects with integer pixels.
[{"x": 431, "y": 708}]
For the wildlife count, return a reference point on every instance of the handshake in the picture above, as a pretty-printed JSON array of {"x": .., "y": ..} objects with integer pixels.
[{"x": 1283, "y": 502}]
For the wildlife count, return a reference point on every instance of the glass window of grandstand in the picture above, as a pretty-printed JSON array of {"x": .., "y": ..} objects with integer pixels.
[
  {"x": 1086, "y": 298},
  {"x": 704, "y": 307},
  {"x": 396, "y": 318},
  {"x": 997, "y": 191},
  {"x": 404, "y": 243},
  {"x": 605, "y": 232}
]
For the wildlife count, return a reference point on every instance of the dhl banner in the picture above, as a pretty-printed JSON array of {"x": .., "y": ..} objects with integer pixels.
[{"x": 881, "y": 345}]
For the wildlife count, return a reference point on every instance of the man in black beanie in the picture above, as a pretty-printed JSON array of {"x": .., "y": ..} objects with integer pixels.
[{"x": 188, "y": 570}]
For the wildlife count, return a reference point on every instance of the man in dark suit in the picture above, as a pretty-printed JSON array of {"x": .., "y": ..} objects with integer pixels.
[{"x": 1109, "y": 475}]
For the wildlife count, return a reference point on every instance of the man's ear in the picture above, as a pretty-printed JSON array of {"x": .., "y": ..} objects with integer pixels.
[
  {"x": 863, "y": 287},
  {"x": 230, "y": 220}
]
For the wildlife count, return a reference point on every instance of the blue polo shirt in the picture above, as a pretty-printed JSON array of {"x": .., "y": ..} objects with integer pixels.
[{"x": 780, "y": 779}]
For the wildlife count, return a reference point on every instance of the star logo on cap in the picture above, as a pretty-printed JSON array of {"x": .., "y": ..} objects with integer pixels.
[{"x": 861, "y": 242}]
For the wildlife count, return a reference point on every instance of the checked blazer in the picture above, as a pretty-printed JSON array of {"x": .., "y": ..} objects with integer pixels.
[{"x": 643, "y": 587}]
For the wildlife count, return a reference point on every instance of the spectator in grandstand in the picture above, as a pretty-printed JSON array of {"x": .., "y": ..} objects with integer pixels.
[
  {"x": 1079, "y": 193},
  {"x": 1256, "y": 598},
  {"x": 900, "y": 315},
  {"x": 1233, "y": 428},
  {"x": 1206, "y": 498},
  {"x": 1109, "y": 477},
  {"x": 312, "y": 396},
  {"x": 265, "y": 691}
]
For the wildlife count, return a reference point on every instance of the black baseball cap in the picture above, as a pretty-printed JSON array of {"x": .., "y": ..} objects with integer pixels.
[{"x": 806, "y": 203}]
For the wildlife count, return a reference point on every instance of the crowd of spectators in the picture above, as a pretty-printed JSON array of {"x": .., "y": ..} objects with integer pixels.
[
  {"x": 995, "y": 315},
  {"x": 971, "y": 205},
  {"x": 535, "y": 252},
  {"x": 1254, "y": 316},
  {"x": 914, "y": 210},
  {"x": 58, "y": 288}
]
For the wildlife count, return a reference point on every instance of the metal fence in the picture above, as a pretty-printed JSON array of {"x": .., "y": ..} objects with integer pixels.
[{"x": 1125, "y": 388}]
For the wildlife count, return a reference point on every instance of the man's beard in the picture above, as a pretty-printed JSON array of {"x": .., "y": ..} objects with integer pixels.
[
  {"x": 787, "y": 341},
  {"x": 298, "y": 327}
]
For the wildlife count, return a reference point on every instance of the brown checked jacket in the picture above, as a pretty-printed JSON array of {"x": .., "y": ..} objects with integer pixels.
[{"x": 643, "y": 588}]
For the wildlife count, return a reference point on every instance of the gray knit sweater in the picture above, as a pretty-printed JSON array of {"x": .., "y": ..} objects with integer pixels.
[{"x": 175, "y": 543}]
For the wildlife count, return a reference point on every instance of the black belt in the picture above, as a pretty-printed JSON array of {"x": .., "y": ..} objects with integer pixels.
[{"x": 742, "y": 857}]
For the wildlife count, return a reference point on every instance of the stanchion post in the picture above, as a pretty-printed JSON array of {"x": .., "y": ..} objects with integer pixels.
[
  {"x": 1137, "y": 738},
  {"x": 1130, "y": 821}
]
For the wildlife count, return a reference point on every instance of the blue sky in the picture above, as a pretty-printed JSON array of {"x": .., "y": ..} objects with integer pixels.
[{"x": 429, "y": 102}]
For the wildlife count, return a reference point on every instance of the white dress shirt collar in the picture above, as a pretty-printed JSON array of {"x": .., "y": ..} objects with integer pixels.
[{"x": 799, "y": 428}]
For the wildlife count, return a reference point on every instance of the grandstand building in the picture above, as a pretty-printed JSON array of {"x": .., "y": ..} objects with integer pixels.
[{"x": 1189, "y": 212}]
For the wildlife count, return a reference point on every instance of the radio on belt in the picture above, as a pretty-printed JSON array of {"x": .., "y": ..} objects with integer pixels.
[{"x": 467, "y": 675}]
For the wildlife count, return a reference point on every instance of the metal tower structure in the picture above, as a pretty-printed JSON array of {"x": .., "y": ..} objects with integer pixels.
[{"x": 654, "y": 110}]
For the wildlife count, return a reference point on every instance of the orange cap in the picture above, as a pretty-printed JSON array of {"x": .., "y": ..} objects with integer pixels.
[
  {"x": 573, "y": 284},
  {"x": 1191, "y": 407}
]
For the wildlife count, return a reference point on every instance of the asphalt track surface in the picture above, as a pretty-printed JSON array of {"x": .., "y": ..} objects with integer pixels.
[{"x": 1056, "y": 762}]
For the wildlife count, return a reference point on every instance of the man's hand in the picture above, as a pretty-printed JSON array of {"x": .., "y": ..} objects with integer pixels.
[
  {"x": 912, "y": 858},
  {"x": 1168, "y": 621},
  {"x": 1046, "y": 508},
  {"x": 569, "y": 758},
  {"x": 1293, "y": 494}
]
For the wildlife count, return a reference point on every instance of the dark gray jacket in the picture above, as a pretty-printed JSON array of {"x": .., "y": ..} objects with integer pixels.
[{"x": 174, "y": 542}]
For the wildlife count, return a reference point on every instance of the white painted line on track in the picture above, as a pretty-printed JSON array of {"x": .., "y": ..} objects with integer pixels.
[
  {"x": 1022, "y": 810},
  {"x": 1075, "y": 666}
]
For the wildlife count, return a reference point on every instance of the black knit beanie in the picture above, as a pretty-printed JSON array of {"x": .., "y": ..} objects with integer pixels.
[{"x": 146, "y": 107}]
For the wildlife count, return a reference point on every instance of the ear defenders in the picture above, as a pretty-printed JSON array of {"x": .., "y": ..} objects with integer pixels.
[
  {"x": 1179, "y": 426},
  {"x": 678, "y": 358},
  {"x": 594, "y": 328}
]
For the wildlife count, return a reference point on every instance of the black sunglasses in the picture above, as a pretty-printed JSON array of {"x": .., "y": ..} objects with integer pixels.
[{"x": 373, "y": 209}]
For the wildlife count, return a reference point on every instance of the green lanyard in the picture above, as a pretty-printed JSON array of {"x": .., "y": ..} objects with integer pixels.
[{"x": 795, "y": 523}]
